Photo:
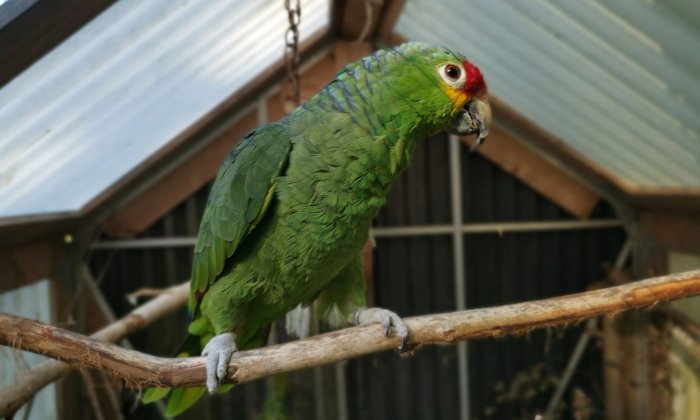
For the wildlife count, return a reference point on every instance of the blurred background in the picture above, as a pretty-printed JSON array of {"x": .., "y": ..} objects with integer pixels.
[{"x": 115, "y": 116}]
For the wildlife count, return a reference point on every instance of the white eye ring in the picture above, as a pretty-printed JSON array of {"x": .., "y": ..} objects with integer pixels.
[{"x": 453, "y": 74}]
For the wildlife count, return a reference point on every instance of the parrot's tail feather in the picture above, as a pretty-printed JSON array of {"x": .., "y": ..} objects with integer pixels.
[
  {"x": 154, "y": 394},
  {"x": 224, "y": 388},
  {"x": 179, "y": 399}
]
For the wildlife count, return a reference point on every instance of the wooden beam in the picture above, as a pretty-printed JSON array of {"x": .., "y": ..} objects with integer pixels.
[
  {"x": 681, "y": 202},
  {"x": 365, "y": 21},
  {"x": 390, "y": 15},
  {"x": 346, "y": 52},
  {"x": 163, "y": 196},
  {"x": 104, "y": 391},
  {"x": 360, "y": 20},
  {"x": 599, "y": 180},
  {"x": 30, "y": 262},
  {"x": 537, "y": 172},
  {"x": 634, "y": 349},
  {"x": 613, "y": 363},
  {"x": 676, "y": 232}
]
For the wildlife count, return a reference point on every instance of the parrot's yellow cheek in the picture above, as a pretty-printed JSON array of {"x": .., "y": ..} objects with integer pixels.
[{"x": 457, "y": 97}]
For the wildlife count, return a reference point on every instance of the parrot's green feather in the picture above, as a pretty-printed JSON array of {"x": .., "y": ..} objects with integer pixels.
[
  {"x": 181, "y": 399},
  {"x": 154, "y": 394},
  {"x": 292, "y": 205},
  {"x": 238, "y": 200}
]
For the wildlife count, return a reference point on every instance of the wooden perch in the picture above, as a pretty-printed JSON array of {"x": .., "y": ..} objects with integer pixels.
[{"x": 139, "y": 369}]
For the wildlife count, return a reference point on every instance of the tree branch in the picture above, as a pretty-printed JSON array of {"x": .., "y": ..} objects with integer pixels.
[
  {"x": 139, "y": 369},
  {"x": 12, "y": 397}
]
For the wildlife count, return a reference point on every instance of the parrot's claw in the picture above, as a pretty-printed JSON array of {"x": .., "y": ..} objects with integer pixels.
[
  {"x": 385, "y": 317},
  {"x": 218, "y": 352}
]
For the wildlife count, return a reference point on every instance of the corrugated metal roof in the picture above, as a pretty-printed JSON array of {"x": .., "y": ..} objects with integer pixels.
[
  {"x": 616, "y": 81},
  {"x": 125, "y": 85}
]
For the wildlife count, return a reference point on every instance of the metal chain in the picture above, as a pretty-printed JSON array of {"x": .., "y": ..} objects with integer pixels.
[{"x": 290, "y": 88}]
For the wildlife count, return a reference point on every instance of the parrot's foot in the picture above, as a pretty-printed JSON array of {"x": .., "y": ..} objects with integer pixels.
[
  {"x": 385, "y": 317},
  {"x": 218, "y": 351}
]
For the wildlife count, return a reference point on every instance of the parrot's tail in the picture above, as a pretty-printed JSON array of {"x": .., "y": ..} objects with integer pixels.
[{"x": 180, "y": 399}]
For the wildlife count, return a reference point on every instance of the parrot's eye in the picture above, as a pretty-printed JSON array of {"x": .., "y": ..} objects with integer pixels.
[{"x": 452, "y": 74}]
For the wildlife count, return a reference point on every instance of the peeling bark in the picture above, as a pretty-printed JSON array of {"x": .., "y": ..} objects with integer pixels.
[{"x": 29, "y": 383}]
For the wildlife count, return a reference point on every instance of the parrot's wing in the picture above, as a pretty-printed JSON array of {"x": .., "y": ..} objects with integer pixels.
[{"x": 242, "y": 192}]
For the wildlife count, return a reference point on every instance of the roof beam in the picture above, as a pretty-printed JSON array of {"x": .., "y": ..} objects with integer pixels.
[
  {"x": 673, "y": 231},
  {"x": 540, "y": 174},
  {"x": 553, "y": 150},
  {"x": 177, "y": 185},
  {"x": 360, "y": 20},
  {"x": 390, "y": 15},
  {"x": 367, "y": 20}
]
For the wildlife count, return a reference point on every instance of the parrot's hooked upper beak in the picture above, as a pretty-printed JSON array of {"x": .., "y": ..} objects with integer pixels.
[{"x": 473, "y": 118}]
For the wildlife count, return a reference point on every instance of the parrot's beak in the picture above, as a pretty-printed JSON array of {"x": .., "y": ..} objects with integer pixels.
[{"x": 473, "y": 118}]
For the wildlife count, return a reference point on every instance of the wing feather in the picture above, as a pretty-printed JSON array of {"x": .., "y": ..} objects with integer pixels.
[{"x": 240, "y": 196}]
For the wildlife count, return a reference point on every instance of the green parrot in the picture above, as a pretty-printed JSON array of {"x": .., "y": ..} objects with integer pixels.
[{"x": 292, "y": 205}]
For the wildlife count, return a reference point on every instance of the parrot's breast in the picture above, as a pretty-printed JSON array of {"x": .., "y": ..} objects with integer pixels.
[{"x": 325, "y": 205}]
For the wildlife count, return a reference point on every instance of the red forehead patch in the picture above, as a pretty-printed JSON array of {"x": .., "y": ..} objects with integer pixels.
[{"x": 475, "y": 85}]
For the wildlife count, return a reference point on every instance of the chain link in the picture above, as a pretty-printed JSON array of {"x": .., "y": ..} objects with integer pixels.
[{"x": 290, "y": 88}]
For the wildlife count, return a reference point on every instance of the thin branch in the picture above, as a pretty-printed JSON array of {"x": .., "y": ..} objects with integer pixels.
[
  {"x": 139, "y": 369},
  {"x": 134, "y": 297},
  {"x": 29, "y": 383}
]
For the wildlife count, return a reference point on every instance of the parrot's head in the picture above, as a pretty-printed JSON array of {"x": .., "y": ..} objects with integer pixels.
[{"x": 462, "y": 106}]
